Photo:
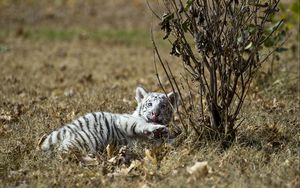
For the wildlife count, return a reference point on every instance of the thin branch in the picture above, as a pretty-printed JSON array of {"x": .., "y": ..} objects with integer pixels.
[
  {"x": 153, "y": 12},
  {"x": 157, "y": 75}
]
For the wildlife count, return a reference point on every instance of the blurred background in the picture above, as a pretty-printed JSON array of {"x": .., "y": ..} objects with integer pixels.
[
  {"x": 67, "y": 19},
  {"x": 121, "y": 21}
]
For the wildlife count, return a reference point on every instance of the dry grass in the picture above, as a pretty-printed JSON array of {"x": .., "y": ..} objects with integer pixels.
[{"x": 46, "y": 82}]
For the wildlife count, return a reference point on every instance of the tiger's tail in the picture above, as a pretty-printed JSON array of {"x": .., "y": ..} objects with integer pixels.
[{"x": 46, "y": 142}]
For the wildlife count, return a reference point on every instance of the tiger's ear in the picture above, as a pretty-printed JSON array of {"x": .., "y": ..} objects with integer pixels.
[
  {"x": 140, "y": 94},
  {"x": 174, "y": 99}
]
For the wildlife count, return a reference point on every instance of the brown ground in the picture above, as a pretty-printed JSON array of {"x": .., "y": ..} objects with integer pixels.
[{"x": 61, "y": 60}]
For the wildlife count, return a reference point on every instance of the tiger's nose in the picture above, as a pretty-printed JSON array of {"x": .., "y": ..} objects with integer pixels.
[{"x": 155, "y": 114}]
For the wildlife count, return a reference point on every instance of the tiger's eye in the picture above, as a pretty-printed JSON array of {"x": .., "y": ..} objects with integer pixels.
[{"x": 149, "y": 104}]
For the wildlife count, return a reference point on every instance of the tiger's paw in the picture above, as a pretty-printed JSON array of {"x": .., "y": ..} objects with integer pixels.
[{"x": 157, "y": 132}]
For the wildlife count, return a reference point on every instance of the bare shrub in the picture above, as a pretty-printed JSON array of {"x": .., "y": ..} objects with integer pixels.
[{"x": 222, "y": 44}]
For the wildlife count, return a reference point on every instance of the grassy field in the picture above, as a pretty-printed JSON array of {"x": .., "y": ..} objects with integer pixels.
[{"x": 61, "y": 60}]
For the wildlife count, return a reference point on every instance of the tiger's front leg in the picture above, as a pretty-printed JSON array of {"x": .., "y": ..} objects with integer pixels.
[{"x": 135, "y": 127}]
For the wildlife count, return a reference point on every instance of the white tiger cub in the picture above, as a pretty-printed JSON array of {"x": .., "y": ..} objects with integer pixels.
[{"x": 94, "y": 131}]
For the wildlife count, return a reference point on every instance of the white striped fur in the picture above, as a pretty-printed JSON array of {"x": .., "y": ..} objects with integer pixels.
[{"x": 94, "y": 131}]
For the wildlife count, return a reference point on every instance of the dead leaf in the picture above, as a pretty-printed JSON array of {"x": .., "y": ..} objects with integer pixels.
[
  {"x": 88, "y": 160},
  {"x": 134, "y": 164},
  {"x": 125, "y": 171},
  {"x": 145, "y": 186},
  {"x": 112, "y": 160},
  {"x": 200, "y": 169},
  {"x": 150, "y": 156},
  {"x": 110, "y": 149},
  {"x": 123, "y": 157}
]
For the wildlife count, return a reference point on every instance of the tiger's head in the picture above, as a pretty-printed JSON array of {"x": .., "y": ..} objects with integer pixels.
[{"x": 156, "y": 107}]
